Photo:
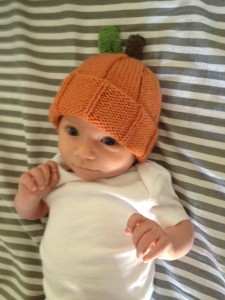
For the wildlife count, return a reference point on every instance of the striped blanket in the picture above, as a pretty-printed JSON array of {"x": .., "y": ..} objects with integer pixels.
[{"x": 40, "y": 42}]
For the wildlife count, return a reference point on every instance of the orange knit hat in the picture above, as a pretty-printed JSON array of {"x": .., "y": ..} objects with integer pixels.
[{"x": 117, "y": 94}]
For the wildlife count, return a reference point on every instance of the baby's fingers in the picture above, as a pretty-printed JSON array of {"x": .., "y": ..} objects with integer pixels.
[
  {"x": 27, "y": 180},
  {"x": 41, "y": 178},
  {"x": 54, "y": 174},
  {"x": 134, "y": 221},
  {"x": 155, "y": 251},
  {"x": 46, "y": 175}
]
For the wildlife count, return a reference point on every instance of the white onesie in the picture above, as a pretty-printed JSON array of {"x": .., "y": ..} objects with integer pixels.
[{"x": 85, "y": 252}]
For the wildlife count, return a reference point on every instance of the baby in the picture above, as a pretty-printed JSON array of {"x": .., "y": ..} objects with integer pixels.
[{"x": 111, "y": 211}]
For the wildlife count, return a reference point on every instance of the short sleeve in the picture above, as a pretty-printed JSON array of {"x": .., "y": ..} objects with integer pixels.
[{"x": 167, "y": 209}]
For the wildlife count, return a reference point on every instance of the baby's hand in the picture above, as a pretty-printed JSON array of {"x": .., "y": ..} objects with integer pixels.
[
  {"x": 40, "y": 179},
  {"x": 34, "y": 186},
  {"x": 148, "y": 237}
]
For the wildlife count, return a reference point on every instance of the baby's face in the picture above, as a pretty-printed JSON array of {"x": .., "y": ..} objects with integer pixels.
[{"x": 90, "y": 152}]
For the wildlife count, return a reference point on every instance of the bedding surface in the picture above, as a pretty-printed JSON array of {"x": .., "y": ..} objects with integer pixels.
[{"x": 40, "y": 42}]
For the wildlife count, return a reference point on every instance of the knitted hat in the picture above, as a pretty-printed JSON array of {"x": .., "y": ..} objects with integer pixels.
[{"x": 117, "y": 94}]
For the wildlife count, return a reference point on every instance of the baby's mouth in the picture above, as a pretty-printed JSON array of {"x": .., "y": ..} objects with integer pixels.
[{"x": 86, "y": 169}]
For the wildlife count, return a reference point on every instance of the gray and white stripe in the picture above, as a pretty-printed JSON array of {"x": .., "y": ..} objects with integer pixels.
[{"x": 40, "y": 42}]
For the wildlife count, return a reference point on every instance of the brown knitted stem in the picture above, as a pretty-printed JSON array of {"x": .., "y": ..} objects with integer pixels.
[{"x": 135, "y": 45}]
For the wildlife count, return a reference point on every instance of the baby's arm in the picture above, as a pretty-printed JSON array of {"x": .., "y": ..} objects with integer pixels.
[
  {"x": 152, "y": 241},
  {"x": 34, "y": 185}
]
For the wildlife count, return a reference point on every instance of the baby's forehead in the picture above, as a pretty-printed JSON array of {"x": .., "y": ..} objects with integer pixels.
[{"x": 69, "y": 118}]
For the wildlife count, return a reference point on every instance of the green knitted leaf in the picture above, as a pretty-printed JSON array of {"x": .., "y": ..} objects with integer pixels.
[{"x": 109, "y": 40}]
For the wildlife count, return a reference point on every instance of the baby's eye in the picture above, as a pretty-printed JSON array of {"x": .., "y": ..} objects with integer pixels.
[
  {"x": 109, "y": 141},
  {"x": 72, "y": 131}
]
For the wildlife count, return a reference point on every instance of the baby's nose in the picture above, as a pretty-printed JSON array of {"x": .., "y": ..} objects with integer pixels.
[{"x": 85, "y": 150}]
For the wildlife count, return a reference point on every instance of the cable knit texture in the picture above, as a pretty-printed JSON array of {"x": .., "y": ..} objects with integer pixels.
[{"x": 117, "y": 94}]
